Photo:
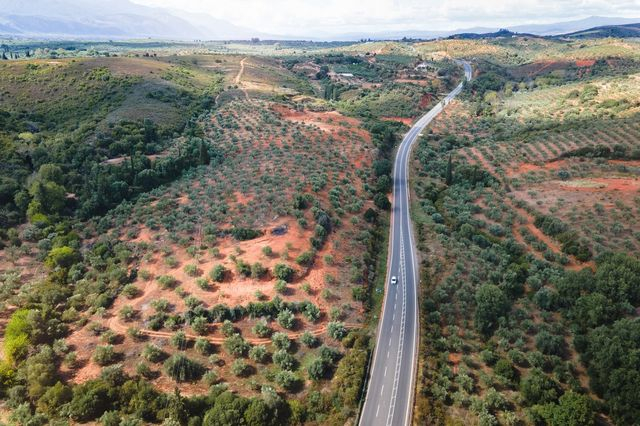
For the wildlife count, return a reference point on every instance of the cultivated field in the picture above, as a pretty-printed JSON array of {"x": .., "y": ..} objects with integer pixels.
[{"x": 530, "y": 177}]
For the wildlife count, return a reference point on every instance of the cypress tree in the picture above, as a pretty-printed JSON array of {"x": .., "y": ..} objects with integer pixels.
[{"x": 204, "y": 154}]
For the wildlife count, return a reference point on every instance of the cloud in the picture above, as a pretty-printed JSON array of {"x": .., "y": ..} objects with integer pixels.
[{"x": 307, "y": 17}]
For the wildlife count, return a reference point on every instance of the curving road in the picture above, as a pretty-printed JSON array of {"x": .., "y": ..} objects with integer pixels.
[{"x": 389, "y": 398}]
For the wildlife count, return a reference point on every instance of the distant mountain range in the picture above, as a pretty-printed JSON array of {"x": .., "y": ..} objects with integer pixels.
[
  {"x": 121, "y": 19},
  {"x": 553, "y": 29},
  {"x": 109, "y": 19},
  {"x": 621, "y": 31}
]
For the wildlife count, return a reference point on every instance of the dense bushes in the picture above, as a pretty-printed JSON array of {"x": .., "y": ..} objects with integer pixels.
[
  {"x": 108, "y": 185},
  {"x": 491, "y": 304},
  {"x": 16, "y": 336},
  {"x": 243, "y": 234},
  {"x": 611, "y": 354}
]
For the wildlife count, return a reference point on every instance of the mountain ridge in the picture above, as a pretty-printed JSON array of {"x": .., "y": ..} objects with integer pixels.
[{"x": 125, "y": 19}]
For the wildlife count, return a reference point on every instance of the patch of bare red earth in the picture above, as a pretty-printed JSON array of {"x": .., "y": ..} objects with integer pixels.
[
  {"x": 523, "y": 168},
  {"x": 404, "y": 120}
]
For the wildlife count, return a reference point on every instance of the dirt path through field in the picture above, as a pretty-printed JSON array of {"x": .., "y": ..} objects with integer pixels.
[{"x": 238, "y": 79}]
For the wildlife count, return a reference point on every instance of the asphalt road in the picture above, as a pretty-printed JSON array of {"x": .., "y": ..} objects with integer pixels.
[{"x": 389, "y": 398}]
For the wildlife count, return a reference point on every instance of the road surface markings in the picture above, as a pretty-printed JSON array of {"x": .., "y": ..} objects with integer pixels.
[{"x": 403, "y": 319}]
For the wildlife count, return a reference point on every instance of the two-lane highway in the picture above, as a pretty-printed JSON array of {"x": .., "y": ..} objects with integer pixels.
[{"x": 389, "y": 396}]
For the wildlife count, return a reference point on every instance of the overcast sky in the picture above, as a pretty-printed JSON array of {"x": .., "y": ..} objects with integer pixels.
[{"x": 340, "y": 16}]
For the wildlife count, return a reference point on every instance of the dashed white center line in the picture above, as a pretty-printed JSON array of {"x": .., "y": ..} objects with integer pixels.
[
  {"x": 381, "y": 390},
  {"x": 377, "y": 410},
  {"x": 385, "y": 371}
]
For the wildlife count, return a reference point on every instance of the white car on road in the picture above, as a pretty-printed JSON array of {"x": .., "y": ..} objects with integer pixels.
[{"x": 394, "y": 280}]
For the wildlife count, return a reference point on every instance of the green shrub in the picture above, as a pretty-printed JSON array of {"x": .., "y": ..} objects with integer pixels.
[
  {"x": 182, "y": 369},
  {"x": 144, "y": 370},
  {"x": 202, "y": 283},
  {"x": 243, "y": 268},
  {"x": 160, "y": 305},
  {"x": 311, "y": 312},
  {"x": 317, "y": 369},
  {"x": 105, "y": 355},
  {"x": 287, "y": 380},
  {"x": 258, "y": 353},
  {"x": 286, "y": 319},
  {"x": 127, "y": 313},
  {"x": 257, "y": 270},
  {"x": 336, "y": 330},
  {"x": 281, "y": 341},
  {"x": 240, "y": 368},
  {"x": 153, "y": 353},
  {"x": 167, "y": 281},
  {"x": 16, "y": 336},
  {"x": 283, "y": 272},
  {"x": 218, "y": 273},
  {"x": 192, "y": 270},
  {"x": 62, "y": 257},
  {"x": 228, "y": 329},
  {"x": 280, "y": 287},
  {"x": 203, "y": 346},
  {"x": 243, "y": 234},
  {"x": 235, "y": 345},
  {"x": 200, "y": 325},
  {"x": 306, "y": 258},
  {"x": 210, "y": 377},
  {"x": 284, "y": 360},
  {"x": 308, "y": 339},
  {"x": 538, "y": 388},
  {"x": 261, "y": 329},
  {"x": 131, "y": 291},
  {"x": 179, "y": 340}
]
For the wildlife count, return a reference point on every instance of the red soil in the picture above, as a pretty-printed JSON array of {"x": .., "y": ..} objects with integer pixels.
[
  {"x": 483, "y": 161},
  {"x": 426, "y": 99},
  {"x": 528, "y": 167},
  {"x": 412, "y": 81},
  {"x": 331, "y": 121},
  {"x": 404, "y": 120},
  {"x": 630, "y": 163},
  {"x": 454, "y": 359},
  {"x": 585, "y": 62}
]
